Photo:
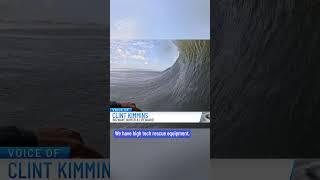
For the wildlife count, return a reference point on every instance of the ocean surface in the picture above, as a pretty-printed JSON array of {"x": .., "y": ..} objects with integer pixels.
[
  {"x": 126, "y": 83},
  {"x": 55, "y": 77}
]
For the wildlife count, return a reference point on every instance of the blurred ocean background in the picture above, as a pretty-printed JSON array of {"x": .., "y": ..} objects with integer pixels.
[{"x": 53, "y": 74}]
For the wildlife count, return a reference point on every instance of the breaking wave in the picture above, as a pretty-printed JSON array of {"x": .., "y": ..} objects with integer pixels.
[{"x": 183, "y": 87}]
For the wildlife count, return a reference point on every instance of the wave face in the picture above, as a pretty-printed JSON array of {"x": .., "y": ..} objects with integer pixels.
[
  {"x": 186, "y": 85},
  {"x": 265, "y": 88}
]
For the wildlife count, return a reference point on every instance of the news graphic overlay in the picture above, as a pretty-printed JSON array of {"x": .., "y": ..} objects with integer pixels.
[
  {"x": 151, "y": 133},
  {"x": 54, "y": 169},
  {"x": 126, "y": 115},
  {"x": 35, "y": 153},
  {"x": 49, "y": 163}
]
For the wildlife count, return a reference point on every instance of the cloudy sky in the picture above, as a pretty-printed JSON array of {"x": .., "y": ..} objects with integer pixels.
[
  {"x": 156, "y": 55},
  {"x": 155, "y": 22},
  {"x": 160, "y": 19}
]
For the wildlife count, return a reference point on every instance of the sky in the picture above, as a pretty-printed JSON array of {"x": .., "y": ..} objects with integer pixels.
[
  {"x": 160, "y": 19},
  {"x": 154, "y": 55},
  {"x": 141, "y": 30}
]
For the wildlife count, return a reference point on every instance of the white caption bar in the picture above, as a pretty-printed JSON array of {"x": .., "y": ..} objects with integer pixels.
[{"x": 159, "y": 117}]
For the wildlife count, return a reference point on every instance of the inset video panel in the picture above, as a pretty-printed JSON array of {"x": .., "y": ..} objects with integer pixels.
[
  {"x": 160, "y": 56},
  {"x": 160, "y": 89}
]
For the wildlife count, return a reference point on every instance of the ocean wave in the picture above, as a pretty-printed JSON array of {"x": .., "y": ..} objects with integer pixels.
[{"x": 185, "y": 86}]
